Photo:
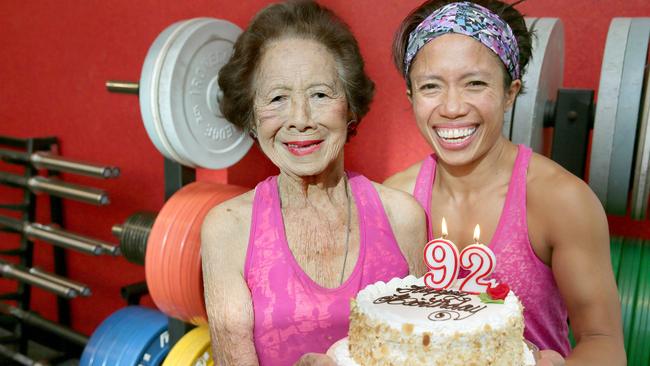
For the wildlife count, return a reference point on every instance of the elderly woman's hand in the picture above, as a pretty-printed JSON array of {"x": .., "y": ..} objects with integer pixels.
[{"x": 315, "y": 359}]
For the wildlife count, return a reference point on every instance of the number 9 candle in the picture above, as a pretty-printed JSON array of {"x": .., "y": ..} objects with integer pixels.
[{"x": 441, "y": 257}]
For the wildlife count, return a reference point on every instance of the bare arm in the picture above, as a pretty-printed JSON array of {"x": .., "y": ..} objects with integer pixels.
[
  {"x": 227, "y": 297},
  {"x": 408, "y": 222},
  {"x": 404, "y": 180},
  {"x": 575, "y": 229}
]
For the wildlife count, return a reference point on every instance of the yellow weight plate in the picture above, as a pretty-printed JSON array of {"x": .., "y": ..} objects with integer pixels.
[{"x": 191, "y": 350}]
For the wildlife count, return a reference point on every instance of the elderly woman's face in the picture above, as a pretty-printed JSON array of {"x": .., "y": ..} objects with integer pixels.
[
  {"x": 458, "y": 97},
  {"x": 301, "y": 111}
]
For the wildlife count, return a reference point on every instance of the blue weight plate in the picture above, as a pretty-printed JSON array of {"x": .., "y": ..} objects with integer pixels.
[
  {"x": 157, "y": 350},
  {"x": 93, "y": 349},
  {"x": 115, "y": 346},
  {"x": 134, "y": 337},
  {"x": 146, "y": 338}
]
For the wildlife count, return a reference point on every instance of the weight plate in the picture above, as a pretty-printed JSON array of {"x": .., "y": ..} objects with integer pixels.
[
  {"x": 148, "y": 91},
  {"x": 639, "y": 352},
  {"x": 609, "y": 93},
  {"x": 628, "y": 277},
  {"x": 124, "y": 337},
  {"x": 615, "y": 250},
  {"x": 188, "y": 92},
  {"x": 542, "y": 81},
  {"x": 173, "y": 259},
  {"x": 641, "y": 182},
  {"x": 191, "y": 350},
  {"x": 627, "y": 116}
]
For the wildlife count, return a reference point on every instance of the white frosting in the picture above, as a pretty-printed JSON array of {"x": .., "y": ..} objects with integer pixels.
[
  {"x": 424, "y": 319},
  {"x": 340, "y": 353}
]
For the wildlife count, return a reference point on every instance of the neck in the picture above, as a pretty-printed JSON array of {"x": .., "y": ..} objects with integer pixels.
[
  {"x": 299, "y": 191},
  {"x": 476, "y": 176}
]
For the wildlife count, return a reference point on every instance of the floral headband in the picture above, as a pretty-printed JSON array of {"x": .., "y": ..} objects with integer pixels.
[{"x": 472, "y": 20}]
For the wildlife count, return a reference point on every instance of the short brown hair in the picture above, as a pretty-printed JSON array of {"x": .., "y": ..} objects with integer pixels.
[
  {"x": 505, "y": 11},
  {"x": 304, "y": 19}
]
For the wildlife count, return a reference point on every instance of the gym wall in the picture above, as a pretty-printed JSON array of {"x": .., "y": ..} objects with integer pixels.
[{"x": 57, "y": 54}]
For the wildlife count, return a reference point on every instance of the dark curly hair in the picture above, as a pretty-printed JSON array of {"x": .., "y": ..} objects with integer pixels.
[
  {"x": 296, "y": 18},
  {"x": 505, "y": 11}
]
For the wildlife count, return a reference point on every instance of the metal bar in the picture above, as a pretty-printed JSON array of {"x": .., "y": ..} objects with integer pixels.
[
  {"x": 81, "y": 288},
  {"x": 18, "y": 357},
  {"x": 10, "y": 271},
  {"x": 63, "y": 189},
  {"x": 133, "y": 292},
  {"x": 13, "y": 206},
  {"x": 107, "y": 248},
  {"x": 120, "y": 86},
  {"x": 13, "y": 180},
  {"x": 12, "y": 223},
  {"x": 45, "y": 233},
  {"x": 36, "y": 320},
  {"x": 13, "y": 156},
  {"x": 58, "y": 163}
]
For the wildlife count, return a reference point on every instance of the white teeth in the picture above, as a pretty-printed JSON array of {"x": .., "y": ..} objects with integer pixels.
[{"x": 455, "y": 133}]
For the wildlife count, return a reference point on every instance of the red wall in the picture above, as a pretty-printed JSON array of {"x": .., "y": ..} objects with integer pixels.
[{"x": 55, "y": 56}]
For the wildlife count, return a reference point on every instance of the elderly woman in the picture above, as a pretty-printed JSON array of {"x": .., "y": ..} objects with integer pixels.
[
  {"x": 462, "y": 62},
  {"x": 281, "y": 262}
]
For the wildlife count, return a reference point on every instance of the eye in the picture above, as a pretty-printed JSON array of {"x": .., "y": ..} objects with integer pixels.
[
  {"x": 319, "y": 95},
  {"x": 429, "y": 86},
  {"x": 477, "y": 84},
  {"x": 278, "y": 98}
]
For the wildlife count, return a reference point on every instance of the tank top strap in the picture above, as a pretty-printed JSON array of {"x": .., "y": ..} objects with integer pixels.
[
  {"x": 516, "y": 199},
  {"x": 423, "y": 188},
  {"x": 264, "y": 200}
]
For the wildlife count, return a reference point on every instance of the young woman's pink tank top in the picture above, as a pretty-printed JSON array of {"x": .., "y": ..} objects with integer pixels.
[
  {"x": 293, "y": 314},
  {"x": 517, "y": 265}
]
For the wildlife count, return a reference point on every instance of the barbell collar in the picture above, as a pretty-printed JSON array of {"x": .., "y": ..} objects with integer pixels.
[
  {"x": 62, "y": 189},
  {"x": 36, "y": 320},
  {"x": 58, "y": 163},
  {"x": 117, "y": 230},
  {"x": 120, "y": 86},
  {"x": 10, "y": 271},
  {"x": 50, "y": 235}
]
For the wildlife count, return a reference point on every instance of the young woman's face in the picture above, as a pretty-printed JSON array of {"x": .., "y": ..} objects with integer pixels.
[
  {"x": 459, "y": 98},
  {"x": 301, "y": 111}
]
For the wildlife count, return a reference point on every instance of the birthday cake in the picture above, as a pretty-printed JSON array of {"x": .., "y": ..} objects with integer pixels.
[{"x": 404, "y": 322}]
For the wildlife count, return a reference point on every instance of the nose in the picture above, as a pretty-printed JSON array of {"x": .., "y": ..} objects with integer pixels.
[
  {"x": 300, "y": 116},
  {"x": 452, "y": 105}
]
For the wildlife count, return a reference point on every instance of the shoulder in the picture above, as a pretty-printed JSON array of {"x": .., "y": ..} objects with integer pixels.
[
  {"x": 559, "y": 198},
  {"x": 405, "y": 180},
  {"x": 224, "y": 232},
  {"x": 399, "y": 205}
]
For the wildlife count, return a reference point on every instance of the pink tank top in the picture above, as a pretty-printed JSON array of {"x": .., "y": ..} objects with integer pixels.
[
  {"x": 293, "y": 314},
  {"x": 545, "y": 314}
]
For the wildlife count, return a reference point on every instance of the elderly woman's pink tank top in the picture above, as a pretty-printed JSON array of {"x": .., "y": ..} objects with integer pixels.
[
  {"x": 545, "y": 314},
  {"x": 293, "y": 314}
]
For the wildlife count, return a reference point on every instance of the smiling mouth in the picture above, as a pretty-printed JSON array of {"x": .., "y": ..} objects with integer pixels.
[
  {"x": 455, "y": 135},
  {"x": 300, "y": 148}
]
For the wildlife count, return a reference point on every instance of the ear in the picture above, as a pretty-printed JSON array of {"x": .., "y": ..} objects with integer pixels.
[
  {"x": 512, "y": 92},
  {"x": 409, "y": 95}
]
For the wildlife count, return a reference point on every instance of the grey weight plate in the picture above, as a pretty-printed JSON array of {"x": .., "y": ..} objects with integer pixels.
[
  {"x": 188, "y": 93},
  {"x": 148, "y": 94},
  {"x": 641, "y": 182},
  {"x": 607, "y": 105},
  {"x": 627, "y": 116},
  {"x": 628, "y": 103},
  {"x": 542, "y": 81}
]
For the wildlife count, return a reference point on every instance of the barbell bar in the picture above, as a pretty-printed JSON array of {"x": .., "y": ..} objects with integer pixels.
[
  {"x": 11, "y": 271},
  {"x": 57, "y": 188},
  {"x": 46, "y": 160}
]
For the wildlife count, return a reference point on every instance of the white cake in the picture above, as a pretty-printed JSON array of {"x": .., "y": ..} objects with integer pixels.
[{"x": 403, "y": 322}]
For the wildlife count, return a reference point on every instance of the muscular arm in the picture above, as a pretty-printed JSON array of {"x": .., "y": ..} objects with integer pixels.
[
  {"x": 227, "y": 298},
  {"x": 575, "y": 229},
  {"x": 408, "y": 222}
]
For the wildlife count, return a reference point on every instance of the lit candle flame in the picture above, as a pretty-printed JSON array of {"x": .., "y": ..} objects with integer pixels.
[
  {"x": 477, "y": 233},
  {"x": 444, "y": 228}
]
